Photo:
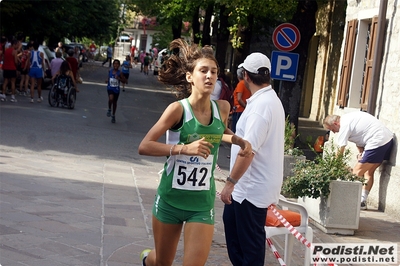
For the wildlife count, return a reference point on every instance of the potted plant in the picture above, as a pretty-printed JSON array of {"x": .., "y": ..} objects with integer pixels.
[
  {"x": 328, "y": 190},
  {"x": 291, "y": 152}
]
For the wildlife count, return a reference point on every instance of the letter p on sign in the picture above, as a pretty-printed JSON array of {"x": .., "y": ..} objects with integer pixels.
[{"x": 283, "y": 63}]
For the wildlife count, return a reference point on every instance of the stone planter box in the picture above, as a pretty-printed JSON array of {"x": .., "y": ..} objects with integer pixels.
[{"x": 340, "y": 212}]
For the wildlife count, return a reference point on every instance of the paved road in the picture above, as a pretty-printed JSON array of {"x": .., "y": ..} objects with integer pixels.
[{"x": 74, "y": 191}]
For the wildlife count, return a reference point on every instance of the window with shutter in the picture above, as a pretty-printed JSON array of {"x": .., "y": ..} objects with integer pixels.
[
  {"x": 368, "y": 63},
  {"x": 347, "y": 63}
]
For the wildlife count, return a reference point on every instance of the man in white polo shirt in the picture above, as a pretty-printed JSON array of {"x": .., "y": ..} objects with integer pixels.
[
  {"x": 374, "y": 142},
  {"x": 255, "y": 181}
]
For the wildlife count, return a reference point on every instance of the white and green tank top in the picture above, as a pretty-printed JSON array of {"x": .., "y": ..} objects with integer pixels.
[{"x": 187, "y": 181}]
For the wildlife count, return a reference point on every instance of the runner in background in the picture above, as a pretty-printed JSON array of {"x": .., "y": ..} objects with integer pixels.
[{"x": 126, "y": 66}]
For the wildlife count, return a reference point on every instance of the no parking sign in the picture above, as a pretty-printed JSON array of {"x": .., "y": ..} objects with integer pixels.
[{"x": 286, "y": 37}]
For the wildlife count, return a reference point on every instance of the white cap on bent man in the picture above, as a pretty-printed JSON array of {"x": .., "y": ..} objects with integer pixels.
[{"x": 255, "y": 62}]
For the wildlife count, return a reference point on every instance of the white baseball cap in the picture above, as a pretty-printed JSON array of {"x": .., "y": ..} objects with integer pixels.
[{"x": 254, "y": 62}]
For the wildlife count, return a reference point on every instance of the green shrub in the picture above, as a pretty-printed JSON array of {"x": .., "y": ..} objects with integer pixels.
[
  {"x": 312, "y": 178},
  {"x": 290, "y": 139}
]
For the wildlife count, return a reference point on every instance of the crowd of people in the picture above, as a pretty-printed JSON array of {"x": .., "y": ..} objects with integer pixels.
[{"x": 29, "y": 65}]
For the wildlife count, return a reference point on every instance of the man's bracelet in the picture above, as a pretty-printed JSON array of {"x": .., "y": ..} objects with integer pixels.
[{"x": 230, "y": 179}]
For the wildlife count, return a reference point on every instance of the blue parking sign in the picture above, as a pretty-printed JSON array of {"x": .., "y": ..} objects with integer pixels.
[{"x": 284, "y": 65}]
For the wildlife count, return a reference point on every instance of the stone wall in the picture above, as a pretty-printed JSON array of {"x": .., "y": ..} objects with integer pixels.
[{"x": 384, "y": 193}]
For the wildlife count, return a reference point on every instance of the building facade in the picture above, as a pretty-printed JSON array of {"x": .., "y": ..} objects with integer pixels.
[{"x": 354, "y": 61}]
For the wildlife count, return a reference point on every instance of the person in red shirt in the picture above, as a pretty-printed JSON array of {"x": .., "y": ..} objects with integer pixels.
[
  {"x": 133, "y": 48},
  {"x": 24, "y": 69},
  {"x": 10, "y": 69},
  {"x": 240, "y": 95},
  {"x": 74, "y": 65},
  {"x": 92, "y": 49}
]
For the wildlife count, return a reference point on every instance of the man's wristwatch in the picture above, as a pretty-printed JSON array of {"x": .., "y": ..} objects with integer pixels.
[{"x": 233, "y": 181}]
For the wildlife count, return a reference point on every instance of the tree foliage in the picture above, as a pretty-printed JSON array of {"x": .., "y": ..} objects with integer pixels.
[
  {"x": 262, "y": 14},
  {"x": 239, "y": 22},
  {"x": 54, "y": 20},
  {"x": 234, "y": 21}
]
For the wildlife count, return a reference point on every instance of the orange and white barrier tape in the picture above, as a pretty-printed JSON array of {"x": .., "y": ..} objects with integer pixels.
[
  {"x": 291, "y": 229},
  {"x": 297, "y": 234},
  {"x": 275, "y": 251}
]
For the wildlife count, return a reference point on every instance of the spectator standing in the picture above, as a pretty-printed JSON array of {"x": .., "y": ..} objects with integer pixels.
[
  {"x": 374, "y": 142},
  {"x": 10, "y": 69},
  {"x": 141, "y": 58},
  {"x": 155, "y": 52},
  {"x": 222, "y": 89},
  {"x": 92, "y": 49},
  {"x": 194, "y": 127},
  {"x": 163, "y": 59},
  {"x": 151, "y": 55},
  {"x": 24, "y": 69},
  {"x": 115, "y": 76},
  {"x": 36, "y": 61},
  {"x": 146, "y": 61},
  {"x": 126, "y": 66},
  {"x": 109, "y": 55},
  {"x": 59, "y": 48},
  {"x": 74, "y": 65},
  {"x": 240, "y": 96},
  {"x": 56, "y": 63},
  {"x": 133, "y": 50},
  {"x": 77, "y": 53},
  {"x": 217, "y": 90},
  {"x": 254, "y": 182}
]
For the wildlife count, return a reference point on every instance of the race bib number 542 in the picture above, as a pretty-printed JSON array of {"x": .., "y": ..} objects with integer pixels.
[{"x": 192, "y": 172}]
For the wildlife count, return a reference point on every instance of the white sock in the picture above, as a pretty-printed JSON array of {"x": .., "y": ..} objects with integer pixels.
[{"x": 364, "y": 195}]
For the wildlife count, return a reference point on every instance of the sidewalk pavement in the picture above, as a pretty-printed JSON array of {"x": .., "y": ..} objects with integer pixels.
[{"x": 86, "y": 211}]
